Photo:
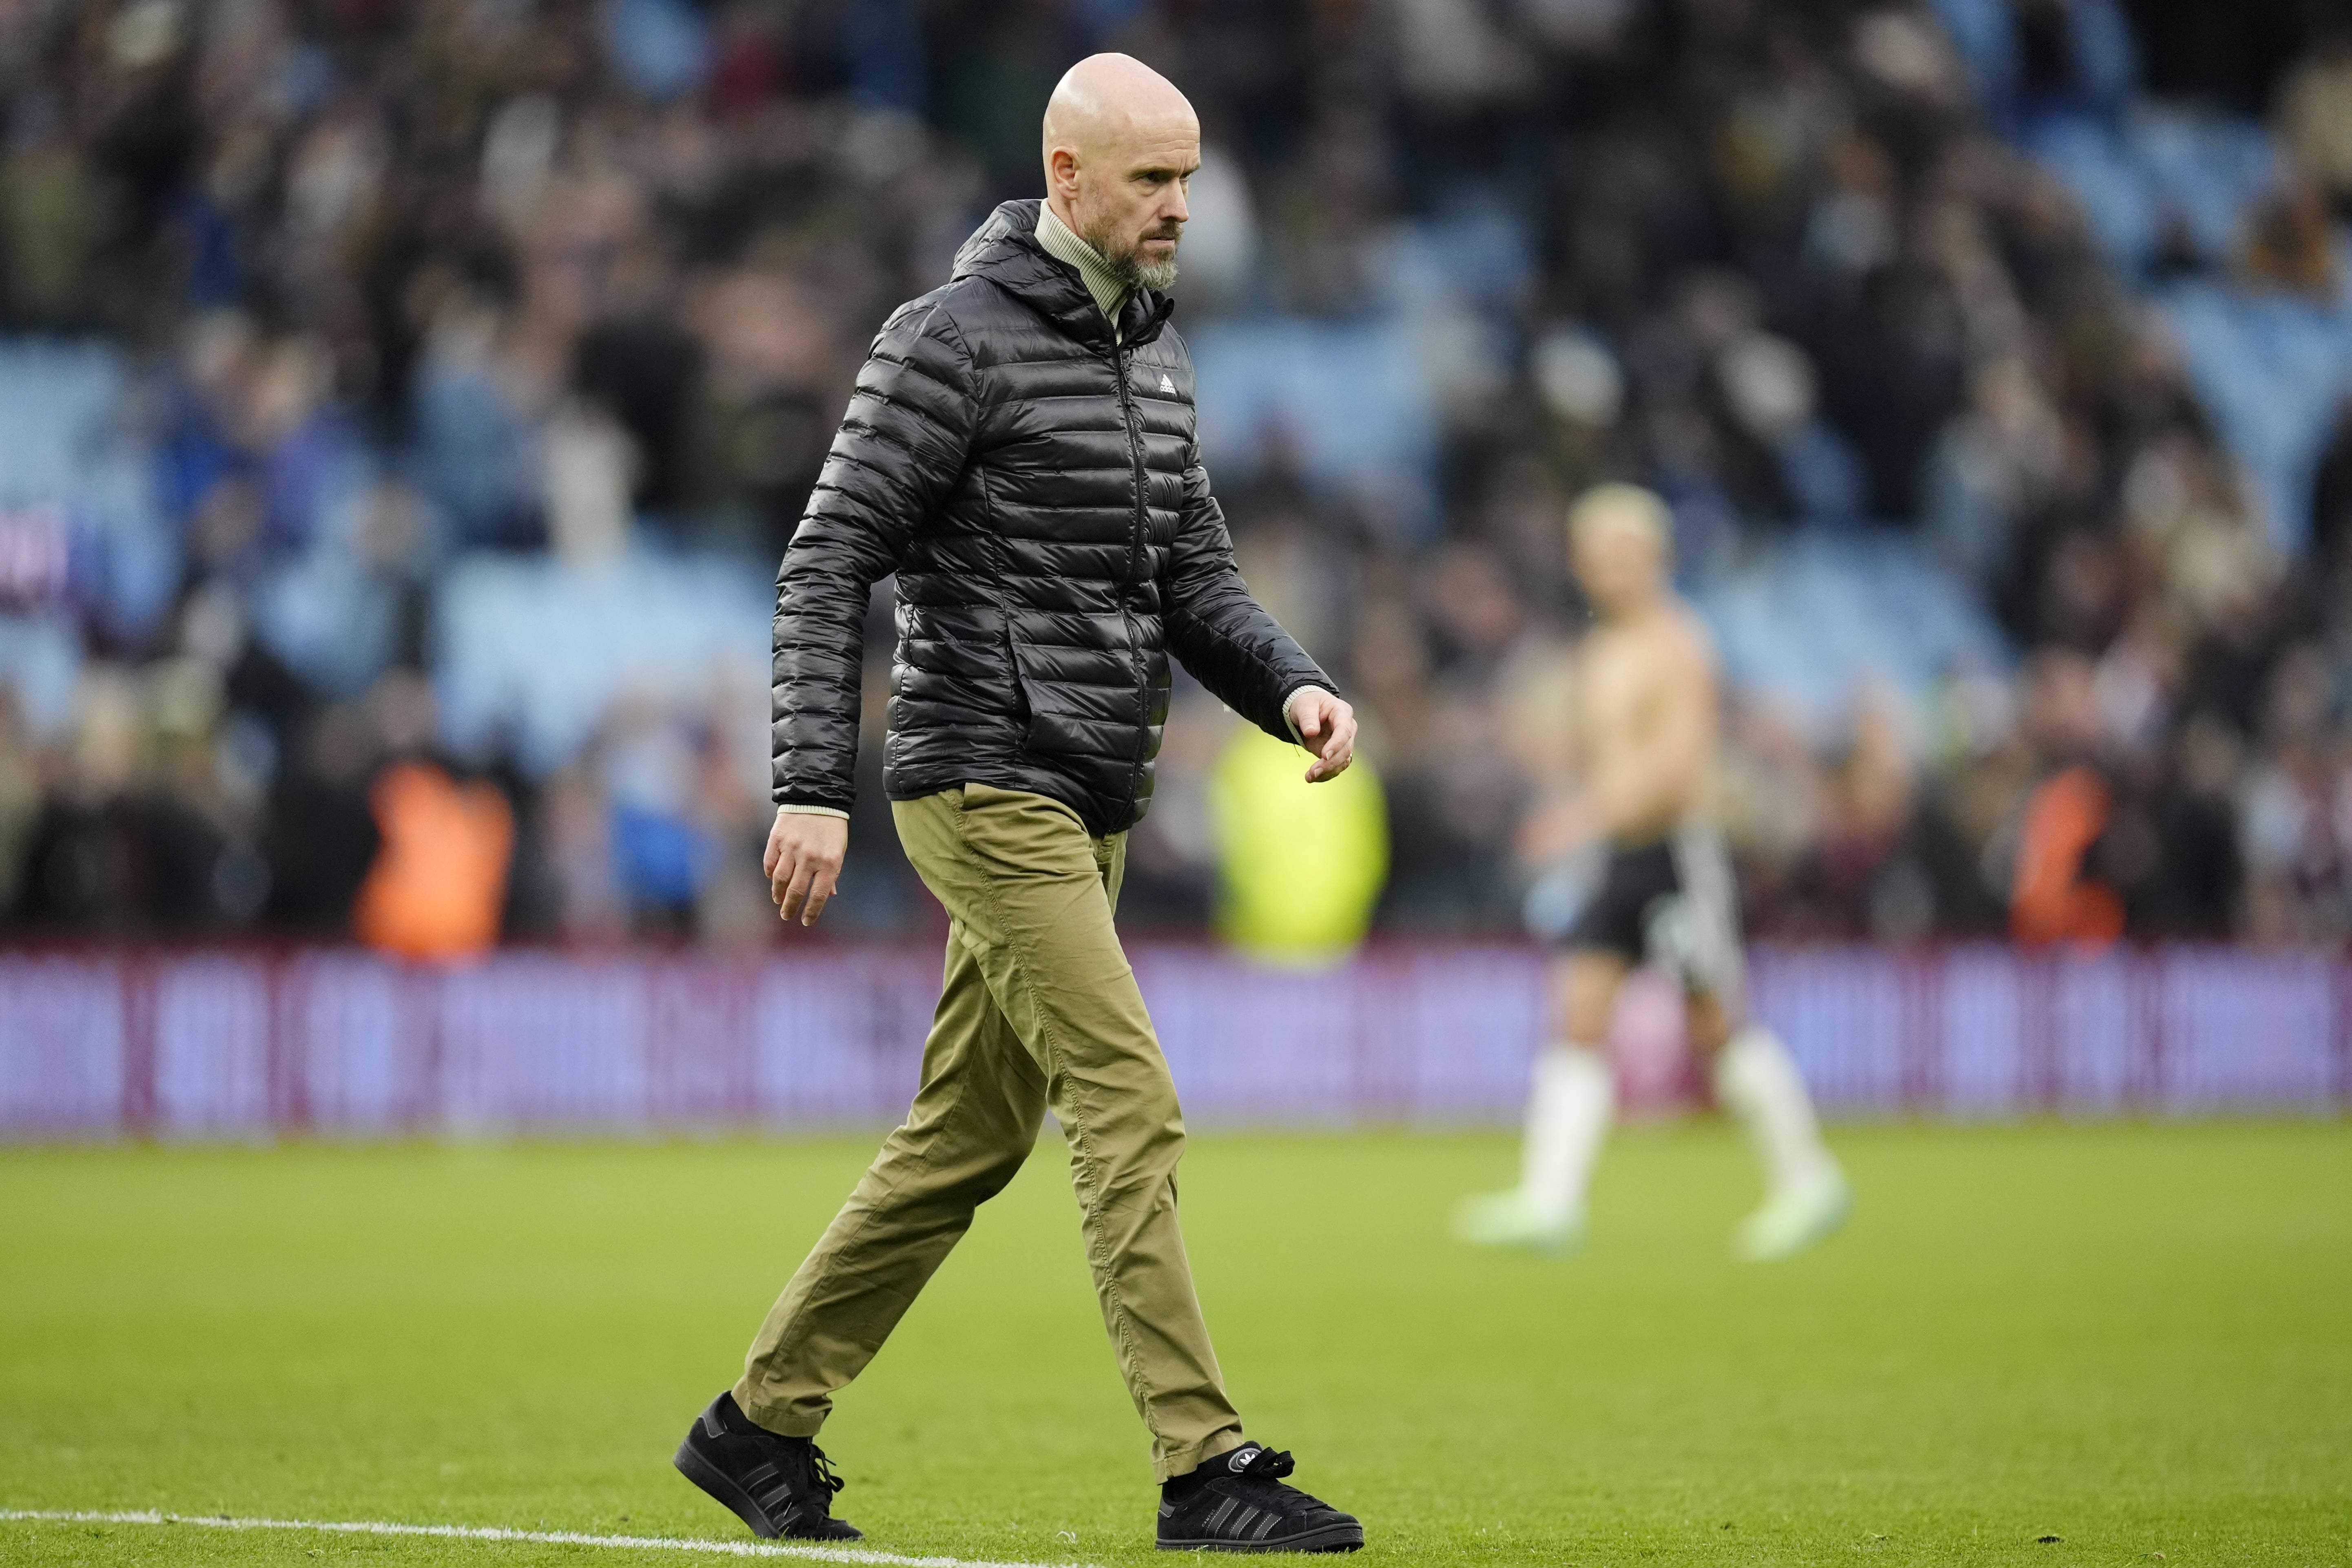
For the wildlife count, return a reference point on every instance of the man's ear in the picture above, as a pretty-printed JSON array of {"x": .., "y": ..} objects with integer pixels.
[{"x": 1061, "y": 170}]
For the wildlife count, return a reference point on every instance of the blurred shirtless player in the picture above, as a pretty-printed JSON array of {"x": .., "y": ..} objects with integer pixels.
[{"x": 1647, "y": 689}]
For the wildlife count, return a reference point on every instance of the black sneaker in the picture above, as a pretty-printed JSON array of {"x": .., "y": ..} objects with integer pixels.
[
  {"x": 1236, "y": 1502},
  {"x": 777, "y": 1485}
]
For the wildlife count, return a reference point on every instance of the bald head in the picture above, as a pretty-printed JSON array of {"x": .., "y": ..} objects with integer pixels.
[
  {"x": 1107, "y": 96},
  {"x": 1119, "y": 143}
]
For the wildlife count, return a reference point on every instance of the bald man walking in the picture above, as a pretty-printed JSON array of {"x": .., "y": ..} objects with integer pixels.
[{"x": 1020, "y": 450}]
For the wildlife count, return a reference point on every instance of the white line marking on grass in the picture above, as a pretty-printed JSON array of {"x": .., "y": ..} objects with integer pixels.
[{"x": 493, "y": 1533}]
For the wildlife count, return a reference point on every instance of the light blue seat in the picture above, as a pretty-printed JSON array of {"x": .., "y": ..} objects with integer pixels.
[
  {"x": 536, "y": 652},
  {"x": 2272, "y": 370},
  {"x": 1832, "y": 612}
]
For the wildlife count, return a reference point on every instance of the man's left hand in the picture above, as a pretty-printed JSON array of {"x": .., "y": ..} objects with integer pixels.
[{"x": 1327, "y": 727}]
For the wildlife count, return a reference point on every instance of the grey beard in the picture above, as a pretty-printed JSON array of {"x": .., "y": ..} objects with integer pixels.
[{"x": 1130, "y": 272}]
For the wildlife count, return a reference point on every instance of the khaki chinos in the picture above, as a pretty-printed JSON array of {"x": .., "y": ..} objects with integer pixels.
[{"x": 1038, "y": 1008}]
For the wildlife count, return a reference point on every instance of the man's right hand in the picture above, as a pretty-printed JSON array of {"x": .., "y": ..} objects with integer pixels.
[{"x": 805, "y": 850}]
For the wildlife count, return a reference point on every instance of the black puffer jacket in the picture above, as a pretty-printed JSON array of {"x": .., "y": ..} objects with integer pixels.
[{"x": 1039, "y": 492}]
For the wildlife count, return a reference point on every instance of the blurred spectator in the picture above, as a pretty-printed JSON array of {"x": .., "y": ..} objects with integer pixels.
[
  {"x": 2291, "y": 246},
  {"x": 1297, "y": 874},
  {"x": 2298, "y": 812},
  {"x": 438, "y": 882},
  {"x": 323, "y": 835},
  {"x": 2314, "y": 114},
  {"x": 2056, "y": 893},
  {"x": 1996, "y": 470}
]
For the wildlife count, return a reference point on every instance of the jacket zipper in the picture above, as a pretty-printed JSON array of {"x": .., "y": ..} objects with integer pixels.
[
  {"x": 1118, "y": 355},
  {"x": 1135, "y": 461}
]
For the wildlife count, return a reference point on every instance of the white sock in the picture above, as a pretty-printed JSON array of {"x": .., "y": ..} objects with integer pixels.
[
  {"x": 1571, "y": 1095},
  {"x": 1757, "y": 1082}
]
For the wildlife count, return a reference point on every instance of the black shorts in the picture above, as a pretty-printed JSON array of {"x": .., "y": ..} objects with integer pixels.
[{"x": 1672, "y": 903}]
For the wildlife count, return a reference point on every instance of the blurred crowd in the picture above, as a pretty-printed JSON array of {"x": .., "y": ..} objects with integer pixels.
[{"x": 393, "y": 289}]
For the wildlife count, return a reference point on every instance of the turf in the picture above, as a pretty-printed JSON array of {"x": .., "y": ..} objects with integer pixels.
[{"x": 2135, "y": 1337}]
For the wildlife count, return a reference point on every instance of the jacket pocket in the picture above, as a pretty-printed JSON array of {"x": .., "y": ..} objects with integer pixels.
[
  {"x": 1023, "y": 711},
  {"x": 1073, "y": 700}
]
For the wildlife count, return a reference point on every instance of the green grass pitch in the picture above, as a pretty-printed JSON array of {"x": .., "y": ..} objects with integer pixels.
[{"x": 2135, "y": 1337}]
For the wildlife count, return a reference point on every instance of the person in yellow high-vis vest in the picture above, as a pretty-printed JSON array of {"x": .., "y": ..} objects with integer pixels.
[{"x": 1299, "y": 867}]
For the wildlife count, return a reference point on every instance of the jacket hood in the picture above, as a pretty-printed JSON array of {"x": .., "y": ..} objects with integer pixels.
[{"x": 1004, "y": 251}]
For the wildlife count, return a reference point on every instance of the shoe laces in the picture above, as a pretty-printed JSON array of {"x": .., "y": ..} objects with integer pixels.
[
  {"x": 1267, "y": 1467},
  {"x": 824, "y": 1482}
]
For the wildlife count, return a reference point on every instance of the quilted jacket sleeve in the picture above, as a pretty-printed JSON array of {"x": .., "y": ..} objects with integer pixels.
[
  {"x": 1221, "y": 634},
  {"x": 899, "y": 450}
]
